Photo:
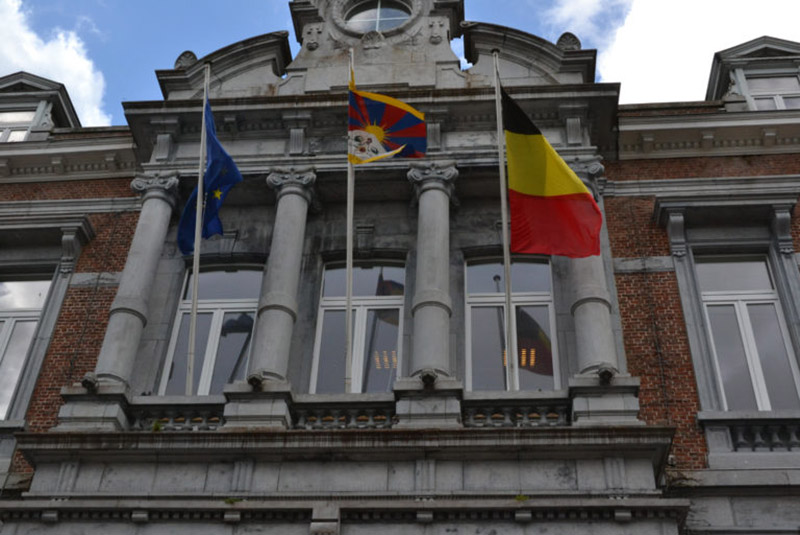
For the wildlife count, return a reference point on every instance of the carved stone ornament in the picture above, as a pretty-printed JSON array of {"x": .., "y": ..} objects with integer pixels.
[
  {"x": 372, "y": 40},
  {"x": 568, "y": 41},
  {"x": 185, "y": 60},
  {"x": 163, "y": 185},
  {"x": 437, "y": 31},
  {"x": 782, "y": 229},
  {"x": 589, "y": 171},
  {"x": 312, "y": 34},
  {"x": 302, "y": 178},
  {"x": 677, "y": 234},
  {"x": 433, "y": 174}
]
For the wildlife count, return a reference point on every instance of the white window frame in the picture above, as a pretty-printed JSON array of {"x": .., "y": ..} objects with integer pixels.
[
  {"x": 7, "y": 128},
  {"x": 518, "y": 299},
  {"x": 740, "y": 301},
  {"x": 218, "y": 308},
  {"x": 361, "y": 305},
  {"x": 776, "y": 96}
]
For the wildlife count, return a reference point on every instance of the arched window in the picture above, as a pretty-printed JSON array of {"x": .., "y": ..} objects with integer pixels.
[{"x": 376, "y": 15}]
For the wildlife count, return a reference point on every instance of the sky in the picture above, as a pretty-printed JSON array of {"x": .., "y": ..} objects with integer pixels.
[{"x": 106, "y": 51}]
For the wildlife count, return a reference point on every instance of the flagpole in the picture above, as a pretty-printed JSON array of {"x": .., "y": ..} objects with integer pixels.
[
  {"x": 198, "y": 229},
  {"x": 511, "y": 353},
  {"x": 348, "y": 322}
]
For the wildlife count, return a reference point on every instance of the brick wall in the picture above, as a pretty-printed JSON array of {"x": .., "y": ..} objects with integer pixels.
[
  {"x": 723, "y": 166},
  {"x": 73, "y": 189}
]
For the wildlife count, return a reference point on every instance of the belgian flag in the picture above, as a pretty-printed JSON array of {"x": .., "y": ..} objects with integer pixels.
[{"x": 552, "y": 211}]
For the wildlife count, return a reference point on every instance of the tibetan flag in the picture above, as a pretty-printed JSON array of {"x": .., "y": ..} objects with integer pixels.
[
  {"x": 220, "y": 176},
  {"x": 381, "y": 127},
  {"x": 552, "y": 211}
]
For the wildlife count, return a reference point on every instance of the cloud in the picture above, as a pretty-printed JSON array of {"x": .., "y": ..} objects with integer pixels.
[
  {"x": 588, "y": 19},
  {"x": 62, "y": 58},
  {"x": 663, "y": 50}
]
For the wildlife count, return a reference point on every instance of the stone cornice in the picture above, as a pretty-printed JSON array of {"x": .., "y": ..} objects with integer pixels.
[
  {"x": 711, "y": 186},
  {"x": 24, "y": 209},
  {"x": 718, "y": 134}
]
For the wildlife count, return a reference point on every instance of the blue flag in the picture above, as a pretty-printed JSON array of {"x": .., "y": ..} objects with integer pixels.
[{"x": 220, "y": 176}]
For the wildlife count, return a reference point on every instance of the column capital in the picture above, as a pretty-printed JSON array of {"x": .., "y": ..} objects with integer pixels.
[
  {"x": 296, "y": 180},
  {"x": 591, "y": 172},
  {"x": 158, "y": 185},
  {"x": 433, "y": 175}
]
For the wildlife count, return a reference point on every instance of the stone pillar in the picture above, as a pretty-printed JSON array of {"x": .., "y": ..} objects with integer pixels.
[
  {"x": 430, "y": 396},
  {"x": 104, "y": 406},
  {"x": 266, "y": 404},
  {"x": 277, "y": 306},
  {"x": 601, "y": 394},
  {"x": 128, "y": 315}
]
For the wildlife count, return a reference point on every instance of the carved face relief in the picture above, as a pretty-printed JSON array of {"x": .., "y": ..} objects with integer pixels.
[
  {"x": 311, "y": 36},
  {"x": 437, "y": 31},
  {"x": 364, "y": 145}
]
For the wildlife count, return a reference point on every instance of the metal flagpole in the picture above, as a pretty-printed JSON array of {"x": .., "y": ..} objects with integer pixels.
[
  {"x": 348, "y": 322},
  {"x": 511, "y": 352},
  {"x": 198, "y": 230}
]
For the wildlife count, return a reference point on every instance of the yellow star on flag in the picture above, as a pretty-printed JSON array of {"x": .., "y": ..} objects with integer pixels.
[{"x": 217, "y": 193}]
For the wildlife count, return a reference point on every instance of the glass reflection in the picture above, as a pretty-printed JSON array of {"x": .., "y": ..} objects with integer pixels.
[
  {"x": 16, "y": 295},
  {"x": 13, "y": 359},
  {"x": 489, "y": 277},
  {"x": 233, "y": 349},
  {"x": 775, "y": 365},
  {"x": 534, "y": 350},
  {"x": 731, "y": 358},
  {"x": 726, "y": 274},
  {"x": 380, "y": 350},
  {"x": 332, "y": 363},
  {"x": 367, "y": 281},
  {"x": 218, "y": 284},
  {"x": 176, "y": 383},
  {"x": 488, "y": 349}
]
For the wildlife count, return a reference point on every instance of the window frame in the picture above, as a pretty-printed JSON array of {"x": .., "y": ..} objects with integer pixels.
[
  {"x": 740, "y": 300},
  {"x": 776, "y": 96},
  {"x": 361, "y": 305},
  {"x": 518, "y": 299},
  {"x": 6, "y": 129},
  {"x": 218, "y": 308}
]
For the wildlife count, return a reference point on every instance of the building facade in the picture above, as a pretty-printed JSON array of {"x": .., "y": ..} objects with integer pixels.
[{"x": 653, "y": 389}]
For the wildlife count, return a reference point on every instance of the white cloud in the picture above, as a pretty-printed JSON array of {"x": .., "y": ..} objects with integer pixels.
[
  {"x": 588, "y": 19},
  {"x": 663, "y": 51},
  {"x": 62, "y": 58}
]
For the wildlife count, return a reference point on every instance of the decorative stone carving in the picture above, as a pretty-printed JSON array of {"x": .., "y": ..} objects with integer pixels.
[
  {"x": 568, "y": 41},
  {"x": 440, "y": 175},
  {"x": 312, "y": 34},
  {"x": 372, "y": 40},
  {"x": 163, "y": 185},
  {"x": 782, "y": 229},
  {"x": 185, "y": 60},
  {"x": 437, "y": 31},
  {"x": 297, "y": 180},
  {"x": 590, "y": 172},
  {"x": 677, "y": 234}
]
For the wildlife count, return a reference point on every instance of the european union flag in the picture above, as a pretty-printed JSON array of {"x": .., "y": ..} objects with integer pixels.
[{"x": 220, "y": 176}]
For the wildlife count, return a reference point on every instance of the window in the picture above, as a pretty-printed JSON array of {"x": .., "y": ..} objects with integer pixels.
[
  {"x": 535, "y": 366},
  {"x": 377, "y": 323},
  {"x": 754, "y": 362},
  {"x": 377, "y": 15},
  {"x": 14, "y": 125},
  {"x": 226, "y": 306},
  {"x": 21, "y": 303},
  {"x": 774, "y": 92}
]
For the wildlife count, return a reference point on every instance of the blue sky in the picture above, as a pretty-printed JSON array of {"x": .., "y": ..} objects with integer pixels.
[{"x": 106, "y": 51}]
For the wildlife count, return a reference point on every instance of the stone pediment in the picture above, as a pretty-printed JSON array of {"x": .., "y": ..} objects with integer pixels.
[
  {"x": 252, "y": 67},
  {"x": 526, "y": 59},
  {"x": 26, "y": 89}
]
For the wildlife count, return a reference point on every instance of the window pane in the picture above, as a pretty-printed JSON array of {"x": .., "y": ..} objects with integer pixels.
[
  {"x": 722, "y": 274},
  {"x": 534, "y": 350},
  {"x": 16, "y": 136},
  {"x": 791, "y": 103},
  {"x": 774, "y": 358},
  {"x": 233, "y": 350},
  {"x": 488, "y": 349},
  {"x": 13, "y": 361},
  {"x": 235, "y": 284},
  {"x": 176, "y": 384},
  {"x": 16, "y": 117},
  {"x": 367, "y": 281},
  {"x": 775, "y": 84},
  {"x": 488, "y": 277},
  {"x": 331, "y": 368},
  {"x": 767, "y": 103},
  {"x": 380, "y": 350},
  {"x": 23, "y": 294},
  {"x": 731, "y": 358}
]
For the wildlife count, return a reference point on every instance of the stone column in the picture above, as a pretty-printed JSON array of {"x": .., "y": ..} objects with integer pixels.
[
  {"x": 277, "y": 306},
  {"x": 128, "y": 315},
  {"x": 601, "y": 395},
  {"x": 266, "y": 404},
  {"x": 430, "y": 396},
  {"x": 104, "y": 408}
]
